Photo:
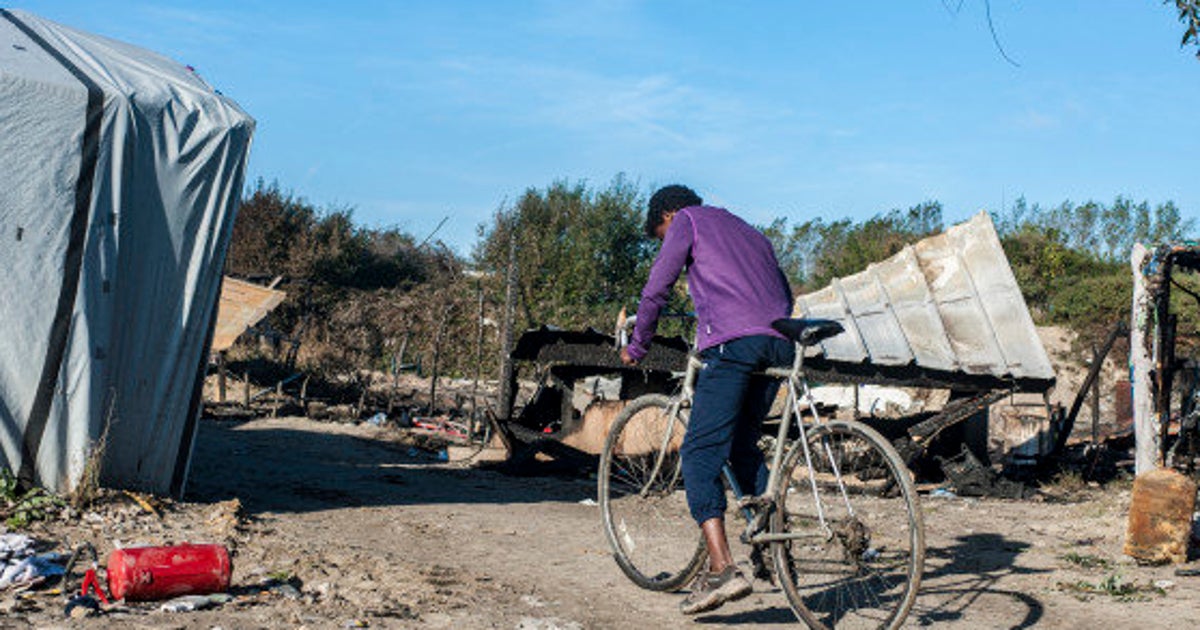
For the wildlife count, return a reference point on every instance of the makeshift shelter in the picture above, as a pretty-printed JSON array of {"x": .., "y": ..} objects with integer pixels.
[{"x": 120, "y": 172}]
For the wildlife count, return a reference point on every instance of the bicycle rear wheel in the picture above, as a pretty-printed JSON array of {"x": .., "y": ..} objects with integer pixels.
[
  {"x": 857, "y": 561},
  {"x": 642, "y": 502}
]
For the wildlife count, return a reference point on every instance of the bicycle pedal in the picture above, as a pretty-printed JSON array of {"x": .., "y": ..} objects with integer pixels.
[
  {"x": 759, "y": 568},
  {"x": 756, "y": 525},
  {"x": 754, "y": 502}
]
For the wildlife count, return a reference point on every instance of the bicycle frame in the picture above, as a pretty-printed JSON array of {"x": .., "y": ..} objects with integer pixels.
[
  {"x": 795, "y": 382},
  {"x": 689, "y": 389}
]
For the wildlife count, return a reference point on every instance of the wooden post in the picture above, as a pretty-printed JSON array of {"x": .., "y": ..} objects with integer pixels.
[
  {"x": 1141, "y": 358},
  {"x": 507, "y": 373},
  {"x": 397, "y": 366},
  {"x": 474, "y": 424},
  {"x": 1096, "y": 399},
  {"x": 221, "y": 376},
  {"x": 304, "y": 394},
  {"x": 246, "y": 390},
  {"x": 1164, "y": 357},
  {"x": 437, "y": 354},
  {"x": 400, "y": 359},
  {"x": 364, "y": 386}
]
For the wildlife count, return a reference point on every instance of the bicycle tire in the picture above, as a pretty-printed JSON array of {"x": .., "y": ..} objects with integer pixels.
[
  {"x": 645, "y": 512},
  {"x": 862, "y": 570}
]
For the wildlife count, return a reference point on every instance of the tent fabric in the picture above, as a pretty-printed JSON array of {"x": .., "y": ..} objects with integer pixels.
[{"x": 120, "y": 172}]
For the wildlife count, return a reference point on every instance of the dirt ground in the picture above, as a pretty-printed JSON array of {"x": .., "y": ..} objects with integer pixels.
[
  {"x": 376, "y": 534},
  {"x": 336, "y": 525}
]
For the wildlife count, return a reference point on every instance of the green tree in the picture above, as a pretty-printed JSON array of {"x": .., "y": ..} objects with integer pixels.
[
  {"x": 815, "y": 252},
  {"x": 1189, "y": 14},
  {"x": 581, "y": 254}
]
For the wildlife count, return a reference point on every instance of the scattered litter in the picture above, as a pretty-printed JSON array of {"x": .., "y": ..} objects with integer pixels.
[
  {"x": 1165, "y": 585},
  {"x": 590, "y": 502},
  {"x": 17, "y": 605},
  {"x": 377, "y": 419},
  {"x": 81, "y": 606},
  {"x": 443, "y": 426},
  {"x": 943, "y": 493},
  {"x": 533, "y": 601},
  {"x": 143, "y": 502},
  {"x": 19, "y": 567},
  {"x": 189, "y": 603},
  {"x": 285, "y": 589},
  {"x": 550, "y": 623},
  {"x": 15, "y": 546}
]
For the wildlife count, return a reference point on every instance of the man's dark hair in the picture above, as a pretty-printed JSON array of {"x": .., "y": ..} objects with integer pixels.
[{"x": 666, "y": 200}]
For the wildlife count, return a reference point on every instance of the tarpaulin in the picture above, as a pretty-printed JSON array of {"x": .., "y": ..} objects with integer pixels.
[{"x": 120, "y": 172}]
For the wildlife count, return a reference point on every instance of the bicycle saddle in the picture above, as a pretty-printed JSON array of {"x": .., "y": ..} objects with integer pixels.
[{"x": 807, "y": 332}]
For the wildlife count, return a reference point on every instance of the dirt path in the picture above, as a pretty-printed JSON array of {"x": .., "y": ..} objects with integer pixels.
[{"x": 381, "y": 535}]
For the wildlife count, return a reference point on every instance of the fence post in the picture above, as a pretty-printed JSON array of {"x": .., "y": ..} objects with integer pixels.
[{"x": 507, "y": 373}]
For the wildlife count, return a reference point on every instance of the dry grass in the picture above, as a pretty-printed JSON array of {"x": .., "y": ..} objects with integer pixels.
[{"x": 87, "y": 490}]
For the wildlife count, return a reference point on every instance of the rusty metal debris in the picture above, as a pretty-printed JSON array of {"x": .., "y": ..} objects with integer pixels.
[{"x": 972, "y": 478}]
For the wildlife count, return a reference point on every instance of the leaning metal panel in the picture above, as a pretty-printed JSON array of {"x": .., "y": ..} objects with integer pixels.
[{"x": 948, "y": 304}]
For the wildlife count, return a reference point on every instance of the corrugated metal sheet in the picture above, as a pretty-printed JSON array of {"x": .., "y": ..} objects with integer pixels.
[
  {"x": 243, "y": 305},
  {"x": 949, "y": 303}
]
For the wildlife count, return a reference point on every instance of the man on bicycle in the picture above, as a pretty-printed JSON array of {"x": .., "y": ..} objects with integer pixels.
[{"x": 738, "y": 289}]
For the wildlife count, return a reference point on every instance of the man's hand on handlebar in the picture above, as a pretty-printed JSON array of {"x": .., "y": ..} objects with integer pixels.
[{"x": 626, "y": 359}]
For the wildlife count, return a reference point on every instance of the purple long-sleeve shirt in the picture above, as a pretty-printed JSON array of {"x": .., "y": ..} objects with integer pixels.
[{"x": 733, "y": 276}]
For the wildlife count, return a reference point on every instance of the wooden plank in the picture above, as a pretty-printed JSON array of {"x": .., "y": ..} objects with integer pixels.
[{"x": 243, "y": 304}]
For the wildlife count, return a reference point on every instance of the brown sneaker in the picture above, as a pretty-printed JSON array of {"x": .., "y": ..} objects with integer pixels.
[{"x": 711, "y": 590}]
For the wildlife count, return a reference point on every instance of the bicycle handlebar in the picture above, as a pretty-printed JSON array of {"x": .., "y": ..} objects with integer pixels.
[{"x": 625, "y": 324}]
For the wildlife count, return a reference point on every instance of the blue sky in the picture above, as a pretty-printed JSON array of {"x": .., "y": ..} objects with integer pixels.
[{"x": 410, "y": 112}]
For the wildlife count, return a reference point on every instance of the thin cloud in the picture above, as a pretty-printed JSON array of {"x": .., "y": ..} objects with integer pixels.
[{"x": 1037, "y": 120}]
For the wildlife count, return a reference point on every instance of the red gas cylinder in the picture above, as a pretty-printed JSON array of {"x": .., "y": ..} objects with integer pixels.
[{"x": 149, "y": 573}]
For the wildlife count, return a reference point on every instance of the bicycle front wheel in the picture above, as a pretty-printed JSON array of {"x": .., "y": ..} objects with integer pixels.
[
  {"x": 855, "y": 544},
  {"x": 642, "y": 501}
]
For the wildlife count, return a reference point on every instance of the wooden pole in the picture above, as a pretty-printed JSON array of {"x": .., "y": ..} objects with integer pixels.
[
  {"x": 246, "y": 390},
  {"x": 1096, "y": 399},
  {"x": 278, "y": 399},
  {"x": 221, "y": 376},
  {"x": 474, "y": 424},
  {"x": 437, "y": 355},
  {"x": 304, "y": 394},
  {"x": 364, "y": 387},
  {"x": 1141, "y": 358},
  {"x": 507, "y": 373}
]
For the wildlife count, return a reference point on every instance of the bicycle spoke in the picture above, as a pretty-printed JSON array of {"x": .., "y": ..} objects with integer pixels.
[
  {"x": 864, "y": 572},
  {"x": 642, "y": 499}
]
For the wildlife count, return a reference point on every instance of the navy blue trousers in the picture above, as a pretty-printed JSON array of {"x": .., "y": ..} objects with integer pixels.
[{"x": 726, "y": 420}]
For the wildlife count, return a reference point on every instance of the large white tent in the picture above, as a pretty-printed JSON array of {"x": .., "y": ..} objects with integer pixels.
[{"x": 120, "y": 173}]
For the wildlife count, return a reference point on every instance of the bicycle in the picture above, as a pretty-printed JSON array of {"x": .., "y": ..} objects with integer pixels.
[{"x": 840, "y": 516}]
